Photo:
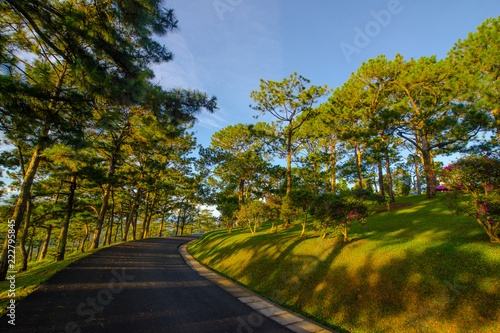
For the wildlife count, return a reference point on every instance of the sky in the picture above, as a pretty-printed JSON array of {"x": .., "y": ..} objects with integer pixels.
[{"x": 224, "y": 47}]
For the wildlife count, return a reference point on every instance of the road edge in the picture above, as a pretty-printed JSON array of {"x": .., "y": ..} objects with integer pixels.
[{"x": 289, "y": 319}]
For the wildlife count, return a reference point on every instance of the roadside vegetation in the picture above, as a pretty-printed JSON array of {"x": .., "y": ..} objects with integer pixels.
[
  {"x": 96, "y": 153},
  {"x": 419, "y": 268},
  {"x": 28, "y": 281}
]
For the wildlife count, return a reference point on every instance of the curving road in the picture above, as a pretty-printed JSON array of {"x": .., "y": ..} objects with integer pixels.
[{"x": 141, "y": 286}]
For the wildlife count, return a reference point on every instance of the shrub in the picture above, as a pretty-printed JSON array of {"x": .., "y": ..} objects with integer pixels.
[
  {"x": 376, "y": 197},
  {"x": 337, "y": 213},
  {"x": 295, "y": 204},
  {"x": 478, "y": 175},
  {"x": 252, "y": 214},
  {"x": 360, "y": 193},
  {"x": 273, "y": 209}
]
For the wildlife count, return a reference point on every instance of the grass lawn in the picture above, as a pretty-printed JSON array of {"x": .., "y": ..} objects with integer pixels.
[
  {"x": 417, "y": 269},
  {"x": 37, "y": 273}
]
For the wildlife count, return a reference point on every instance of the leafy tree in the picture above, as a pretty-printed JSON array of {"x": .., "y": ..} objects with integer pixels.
[
  {"x": 71, "y": 42},
  {"x": 427, "y": 114},
  {"x": 345, "y": 109},
  {"x": 477, "y": 59},
  {"x": 330, "y": 145},
  {"x": 402, "y": 181},
  {"x": 320, "y": 151},
  {"x": 286, "y": 100},
  {"x": 239, "y": 155}
]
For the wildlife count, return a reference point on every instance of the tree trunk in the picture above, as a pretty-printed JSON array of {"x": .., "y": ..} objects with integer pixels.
[
  {"x": 183, "y": 221},
  {"x": 304, "y": 225},
  {"x": 162, "y": 221},
  {"x": 389, "y": 176},
  {"x": 380, "y": 178},
  {"x": 30, "y": 247},
  {"x": 106, "y": 233},
  {"x": 134, "y": 224},
  {"x": 23, "y": 198},
  {"x": 22, "y": 244},
  {"x": 289, "y": 160},
  {"x": 130, "y": 217},
  {"x": 149, "y": 216},
  {"x": 111, "y": 220},
  {"x": 104, "y": 206},
  {"x": 430, "y": 176},
  {"x": 28, "y": 180},
  {"x": 417, "y": 174},
  {"x": 38, "y": 251},
  {"x": 178, "y": 221},
  {"x": 121, "y": 227},
  {"x": 146, "y": 210},
  {"x": 333, "y": 170},
  {"x": 375, "y": 182},
  {"x": 82, "y": 249},
  {"x": 358, "y": 154},
  {"x": 46, "y": 242},
  {"x": 63, "y": 236},
  {"x": 241, "y": 189}
]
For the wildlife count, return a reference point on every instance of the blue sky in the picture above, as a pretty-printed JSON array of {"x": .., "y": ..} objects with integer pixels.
[{"x": 224, "y": 47}]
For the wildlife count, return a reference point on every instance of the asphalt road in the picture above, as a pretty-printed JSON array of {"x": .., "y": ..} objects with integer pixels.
[{"x": 141, "y": 286}]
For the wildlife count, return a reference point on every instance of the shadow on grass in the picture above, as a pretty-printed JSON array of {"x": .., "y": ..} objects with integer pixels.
[{"x": 443, "y": 285}]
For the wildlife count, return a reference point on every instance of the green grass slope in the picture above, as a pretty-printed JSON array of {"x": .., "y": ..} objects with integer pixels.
[{"x": 417, "y": 269}]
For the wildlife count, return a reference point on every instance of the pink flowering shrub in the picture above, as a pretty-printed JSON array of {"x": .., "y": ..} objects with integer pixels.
[
  {"x": 337, "y": 213},
  {"x": 479, "y": 176},
  {"x": 252, "y": 214}
]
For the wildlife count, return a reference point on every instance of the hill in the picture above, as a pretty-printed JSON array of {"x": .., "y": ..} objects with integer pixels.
[{"x": 417, "y": 269}]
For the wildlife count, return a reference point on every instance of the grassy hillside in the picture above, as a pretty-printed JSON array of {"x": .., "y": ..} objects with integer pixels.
[{"x": 417, "y": 269}]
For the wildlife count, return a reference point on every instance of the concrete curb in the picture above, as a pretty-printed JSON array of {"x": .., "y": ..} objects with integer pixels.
[{"x": 287, "y": 318}]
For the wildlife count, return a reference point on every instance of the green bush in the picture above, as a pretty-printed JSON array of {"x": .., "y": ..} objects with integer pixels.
[
  {"x": 336, "y": 213},
  {"x": 478, "y": 175},
  {"x": 273, "y": 209},
  {"x": 252, "y": 214},
  {"x": 296, "y": 204}
]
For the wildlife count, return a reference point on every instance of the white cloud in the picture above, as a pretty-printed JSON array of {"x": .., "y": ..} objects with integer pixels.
[
  {"x": 211, "y": 122},
  {"x": 182, "y": 71}
]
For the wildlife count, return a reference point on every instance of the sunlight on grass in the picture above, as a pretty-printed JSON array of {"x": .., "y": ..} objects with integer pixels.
[{"x": 417, "y": 269}]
